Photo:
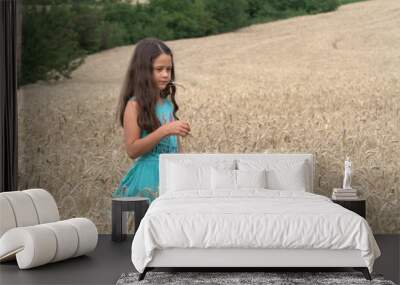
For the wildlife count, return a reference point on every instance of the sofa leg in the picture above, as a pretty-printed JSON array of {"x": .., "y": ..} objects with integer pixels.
[
  {"x": 364, "y": 271},
  {"x": 143, "y": 274}
]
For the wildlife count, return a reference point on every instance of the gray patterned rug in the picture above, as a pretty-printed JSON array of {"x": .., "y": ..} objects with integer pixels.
[{"x": 229, "y": 278}]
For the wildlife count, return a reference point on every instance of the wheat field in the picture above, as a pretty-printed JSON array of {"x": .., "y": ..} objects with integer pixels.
[{"x": 327, "y": 84}]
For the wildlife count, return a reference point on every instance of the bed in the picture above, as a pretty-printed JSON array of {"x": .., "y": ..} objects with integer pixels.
[{"x": 247, "y": 210}]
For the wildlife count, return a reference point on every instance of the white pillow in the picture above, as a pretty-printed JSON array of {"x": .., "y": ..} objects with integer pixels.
[
  {"x": 256, "y": 178},
  {"x": 223, "y": 179},
  {"x": 183, "y": 178},
  {"x": 282, "y": 174},
  {"x": 188, "y": 174}
]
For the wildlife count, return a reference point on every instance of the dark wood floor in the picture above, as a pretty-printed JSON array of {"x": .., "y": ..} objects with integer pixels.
[{"x": 110, "y": 260}]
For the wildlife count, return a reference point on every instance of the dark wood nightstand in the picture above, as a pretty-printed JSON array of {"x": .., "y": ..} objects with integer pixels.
[
  {"x": 357, "y": 206},
  {"x": 120, "y": 206}
]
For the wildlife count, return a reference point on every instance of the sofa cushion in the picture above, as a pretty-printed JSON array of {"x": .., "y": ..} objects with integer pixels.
[
  {"x": 45, "y": 205},
  {"x": 7, "y": 215},
  {"x": 23, "y": 208}
]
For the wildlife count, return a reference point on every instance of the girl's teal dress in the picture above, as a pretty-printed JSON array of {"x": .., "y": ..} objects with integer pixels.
[{"x": 142, "y": 179}]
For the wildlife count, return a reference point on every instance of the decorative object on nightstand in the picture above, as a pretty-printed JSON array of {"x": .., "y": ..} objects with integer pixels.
[
  {"x": 347, "y": 192},
  {"x": 120, "y": 207},
  {"x": 347, "y": 174},
  {"x": 347, "y": 197}
]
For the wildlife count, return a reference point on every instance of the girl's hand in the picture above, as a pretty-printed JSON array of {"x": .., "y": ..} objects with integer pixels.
[{"x": 177, "y": 128}]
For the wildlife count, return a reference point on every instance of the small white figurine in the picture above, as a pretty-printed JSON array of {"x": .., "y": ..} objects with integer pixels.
[{"x": 347, "y": 174}]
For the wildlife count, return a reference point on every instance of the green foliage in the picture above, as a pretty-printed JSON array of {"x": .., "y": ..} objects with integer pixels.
[
  {"x": 279, "y": 9},
  {"x": 111, "y": 35},
  {"x": 317, "y": 6},
  {"x": 227, "y": 15},
  {"x": 181, "y": 18},
  {"x": 344, "y": 2},
  {"x": 57, "y": 34},
  {"x": 50, "y": 47},
  {"x": 86, "y": 21},
  {"x": 133, "y": 19}
]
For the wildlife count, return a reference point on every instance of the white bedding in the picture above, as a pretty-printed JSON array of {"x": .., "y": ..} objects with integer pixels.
[{"x": 251, "y": 218}]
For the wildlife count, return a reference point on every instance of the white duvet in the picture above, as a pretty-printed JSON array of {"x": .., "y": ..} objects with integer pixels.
[{"x": 252, "y": 218}]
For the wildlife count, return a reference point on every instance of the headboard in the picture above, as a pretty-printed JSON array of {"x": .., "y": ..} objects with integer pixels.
[{"x": 210, "y": 157}]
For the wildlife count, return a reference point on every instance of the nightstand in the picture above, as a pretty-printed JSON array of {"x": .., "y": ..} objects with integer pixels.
[
  {"x": 120, "y": 206},
  {"x": 357, "y": 206}
]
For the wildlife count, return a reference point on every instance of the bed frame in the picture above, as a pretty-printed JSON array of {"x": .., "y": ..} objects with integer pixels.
[
  {"x": 242, "y": 259},
  {"x": 246, "y": 258}
]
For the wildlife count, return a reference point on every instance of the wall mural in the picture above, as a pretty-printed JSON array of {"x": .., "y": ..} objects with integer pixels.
[{"x": 327, "y": 84}]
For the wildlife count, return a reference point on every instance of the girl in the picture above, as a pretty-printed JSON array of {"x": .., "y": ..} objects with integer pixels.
[{"x": 147, "y": 112}]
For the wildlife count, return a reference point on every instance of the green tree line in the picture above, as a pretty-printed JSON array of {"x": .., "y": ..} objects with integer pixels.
[{"x": 58, "y": 34}]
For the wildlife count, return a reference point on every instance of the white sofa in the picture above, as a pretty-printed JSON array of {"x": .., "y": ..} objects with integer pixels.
[{"x": 31, "y": 231}]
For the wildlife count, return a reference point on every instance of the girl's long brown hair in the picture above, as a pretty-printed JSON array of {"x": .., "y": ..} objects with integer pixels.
[{"x": 139, "y": 83}]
